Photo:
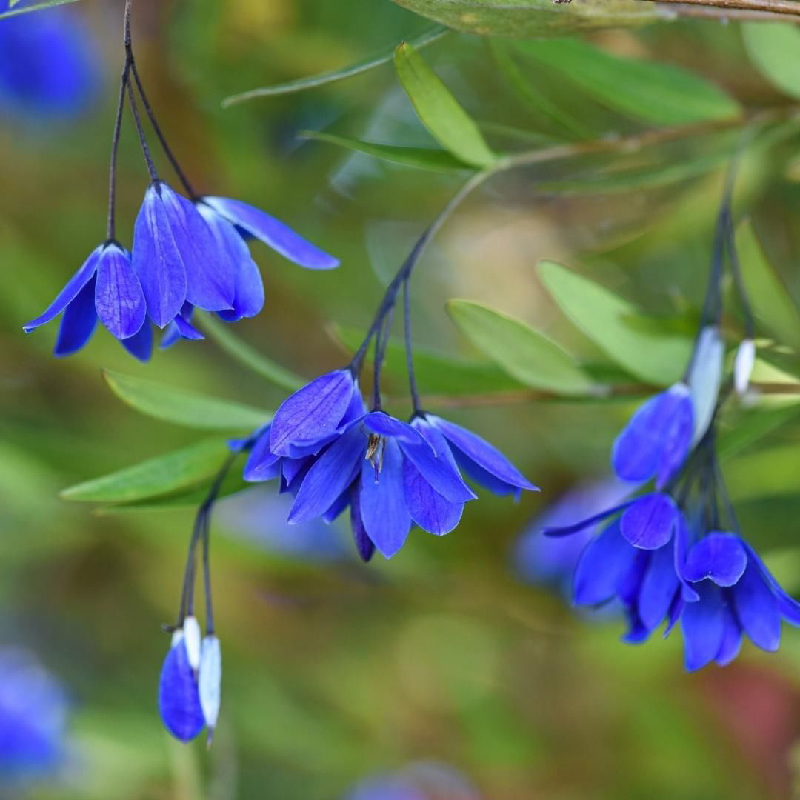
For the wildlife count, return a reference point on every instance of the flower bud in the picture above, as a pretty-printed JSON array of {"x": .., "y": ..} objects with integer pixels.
[
  {"x": 209, "y": 681},
  {"x": 705, "y": 378},
  {"x": 191, "y": 633},
  {"x": 743, "y": 365}
]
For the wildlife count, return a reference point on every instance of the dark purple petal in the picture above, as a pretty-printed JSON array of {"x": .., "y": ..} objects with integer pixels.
[
  {"x": 262, "y": 465},
  {"x": 484, "y": 455},
  {"x": 602, "y": 564},
  {"x": 731, "y": 638},
  {"x": 756, "y": 608},
  {"x": 384, "y": 425},
  {"x": 364, "y": 545},
  {"x": 657, "y": 438},
  {"x": 68, "y": 293},
  {"x": 78, "y": 322},
  {"x": 681, "y": 546},
  {"x": 272, "y": 232},
  {"x": 313, "y": 412},
  {"x": 178, "y": 695},
  {"x": 720, "y": 557},
  {"x": 703, "y": 627},
  {"x": 382, "y": 502},
  {"x": 429, "y": 509},
  {"x": 576, "y": 527},
  {"x": 118, "y": 294},
  {"x": 659, "y": 587},
  {"x": 649, "y": 522},
  {"x": 140, "y": 345},
  {"x": 331, "y": 473}
]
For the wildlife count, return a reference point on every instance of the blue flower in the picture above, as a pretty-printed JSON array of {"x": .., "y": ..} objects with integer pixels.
[
  {"x": 424, "y": 780},
  {"x": 33, "y": 719},
  {"x": 48, "y": 66},
  {"x": 178, "y": 693},
  {"x": 105, "y": 288}
]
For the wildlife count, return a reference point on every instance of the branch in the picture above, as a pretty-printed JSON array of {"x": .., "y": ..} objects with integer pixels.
[{"x": 731, "y": 9}]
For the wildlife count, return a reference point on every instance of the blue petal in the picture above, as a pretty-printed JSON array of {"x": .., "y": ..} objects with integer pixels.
[
  {"x": 481, "y": 453},
  {"x": 720, "y": 557},
  {"x": 788, "y": 606},
  {"x": 178, "y": 695},
  {"x": 681, "y": 546},
  {"x": 140, "y": 345},
  {"x": 69, "y": 292},
  {"x": 118, "y": 294},
  {"x": 731, "y": 638},
  {"x": 603, "y": 563},
  {"x": 629, "y": 582},
  {"x": 384, "y": 425},
  {"x": 313, "y": 412},
  {"x": 703, "y": 627},
  {"x": 431, "y": 511},
  {"x": 648, "y": 523},
  {"x": 272, "y": 232},
  {"x": 657, "y": 438},
  {"x": 757, "y": 609},
  {"x": 262, "y": 465},
  {"x": 382, "y": 502},
  {"x": 675, "y": 611},
  {"x": 248, "y": 299},
  {"x": 338, "y": 506},
  {"x": 659, "y": 587},
  {"x": 332, "y": 472},
  {"x": 364, "y": 545},
  {"x": 78, "y": 322}
]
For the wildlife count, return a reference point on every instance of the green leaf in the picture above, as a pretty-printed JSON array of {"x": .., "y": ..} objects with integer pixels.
[
  {"x": 533, "y": 19},
  {"x": 155, "y": 477},
  {"x": 436, "y": 373},
  {"x": 523, "y": 352},
  {"x": 752, "y": 426},
  {"x": 428, "y": 37},
  {"x": 439, "y": 160},
  {"x": 439, "y": 111},
  {"x": 247, "y": 355},
  {"x": 775, "y": 49},
  {"x": 771, "y": 303},
  {"x": 644, "y": 90},
  {"x": 34, "y": 7},
  {"x": 184, "y": 408},
  {"x": 603, "y": 317}
]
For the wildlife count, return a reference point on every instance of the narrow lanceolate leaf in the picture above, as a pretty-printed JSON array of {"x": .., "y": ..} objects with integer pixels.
[
  {"x": 421, "y": 157},
  {"x": 438, "y": 110},
  {"x": 428, "y": 37},
  {"x": 184, "y": 408},
  {"x": 156, "y": 477},
  {"x": 645, "y": 90},
  {"x": 602, "y": 316},
  {"x": 534, "y": 19},
  {"x": 775, "y": 50},
  {"x": 13, "y": 12},
  {"x": 771, "y": 302},
  {"x": 523, "y": 352}
]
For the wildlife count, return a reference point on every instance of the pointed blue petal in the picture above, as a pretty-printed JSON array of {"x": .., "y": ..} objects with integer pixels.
[
  {"x": 331, "y": 474},
  {"x": 629, "y": 583},
  {"x": 262, "y": 465},
  {"x": 731, "y": 638},
  {"x": 657, "y": 438},
  {"x": 788, "y": 606},
  {"x": 703, "y": 627},
  {"x": 720, "y": 557},
  {"x": 171, "y": 336},
  {"x": 178, "y": 695},
  {"x": 157, "y": 258},
  {"x": 757, "y": 609},
  {"x": 364, "y": 545},
  {"x": 649, "y": 522},
  {"x": 384, "y": 425},
  {"x": 338, "y": 506},
  {"x": 140, "y": 345},
  {"x": 186, "y": 329},
  {"x": 675, "y": 611},
  {"x": 272, "y": 232},
  {"x": 659, "y": 587},
  {"x": 69, "y": 292},
  {"x": 118, "y": 294},
  {"x": 483, "y": 454},
  {"x": 637, "y": 632},
  {"x": 312, "y": 413},
  {"x": 602, "y": 564},
  {"x": 248, "y": 299},
  {"x": 431, "y": 511},
  {"x": 681, "y": 546},
  {"x": 78, "y": 322},
  {"x": 382, "y": 502}
]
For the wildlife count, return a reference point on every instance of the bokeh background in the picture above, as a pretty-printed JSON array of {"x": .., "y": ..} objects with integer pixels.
[{"x": 457, "y": 667}]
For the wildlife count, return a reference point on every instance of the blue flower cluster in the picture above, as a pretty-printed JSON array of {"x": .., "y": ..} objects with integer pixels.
[
  {"x": 331, "y": 453},
  {"x": 675, "y": 554}
]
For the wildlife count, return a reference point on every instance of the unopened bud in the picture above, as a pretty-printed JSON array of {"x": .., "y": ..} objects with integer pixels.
[
  {"x": 191, "y": 632},
  {"x": 743, "y": 365},
  {"x": 209, "y": 682}
]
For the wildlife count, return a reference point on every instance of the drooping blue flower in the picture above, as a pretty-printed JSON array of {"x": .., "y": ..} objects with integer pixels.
[
  {"x": 33, "y": 720},
  {"x": 178, "y": 693},
  {"x": 49, "y": 68},
  {"x": 105, "y": 288}
]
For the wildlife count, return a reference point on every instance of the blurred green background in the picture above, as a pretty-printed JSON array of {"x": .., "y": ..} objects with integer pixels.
[{"x": 334, "y": 671}]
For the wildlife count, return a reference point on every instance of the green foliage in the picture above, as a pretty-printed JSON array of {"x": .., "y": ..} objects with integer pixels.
[
  {"x": 775, "y": 49},
  {"x": 13, "y": 12}
]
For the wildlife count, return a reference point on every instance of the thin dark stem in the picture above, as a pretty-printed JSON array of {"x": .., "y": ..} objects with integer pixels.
[
  {"x": 412, "y": 378},
  {"x": 151, "y": 168},
  {"x": 187, "y": 591},
  {"x": 381, "y": 343},
  {"x": 738, "y": 280},
  {"x": 207, "y": 576},
  {"x": 111, "y": 227}
]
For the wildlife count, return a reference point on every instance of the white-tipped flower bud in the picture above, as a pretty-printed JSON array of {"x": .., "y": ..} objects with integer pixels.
[
  {"x": 191, "y": 630},
  {"x": 209, "y": 681},
  {"x": 705, "y": 378},
  {"x": 743, "y": 365}
]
